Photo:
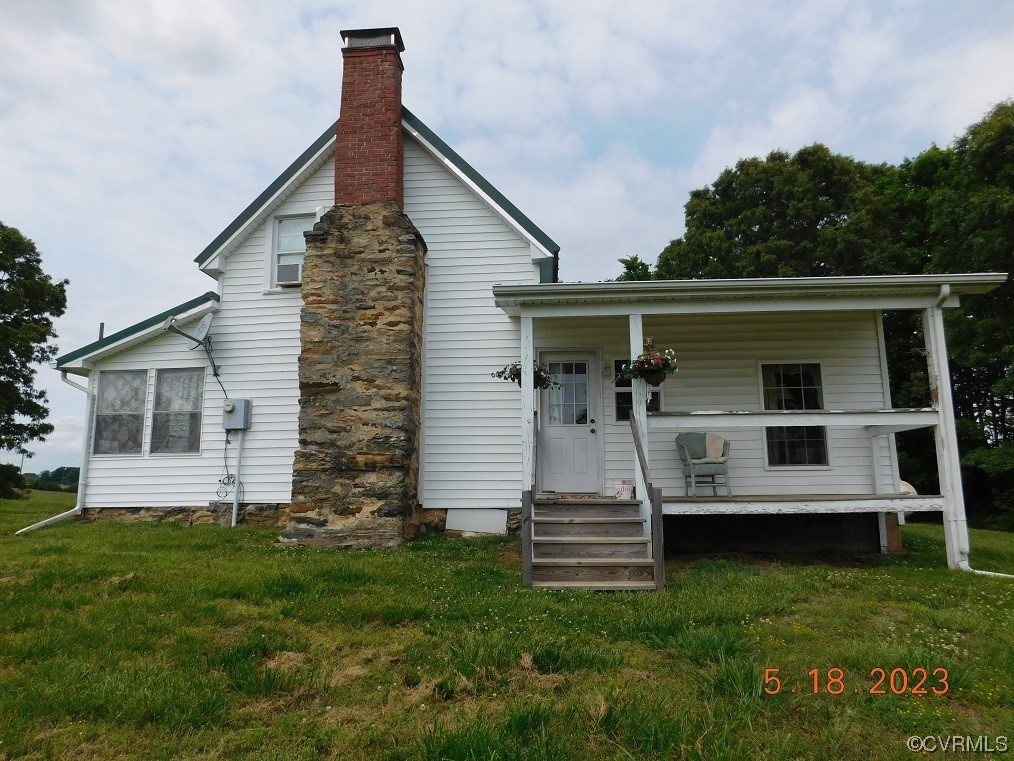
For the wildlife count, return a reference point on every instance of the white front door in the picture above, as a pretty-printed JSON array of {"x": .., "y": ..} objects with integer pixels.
[{"x": 569, "y": 424}]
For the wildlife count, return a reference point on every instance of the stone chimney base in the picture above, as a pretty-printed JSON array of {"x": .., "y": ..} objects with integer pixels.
[{"x": 356, "y": 471}]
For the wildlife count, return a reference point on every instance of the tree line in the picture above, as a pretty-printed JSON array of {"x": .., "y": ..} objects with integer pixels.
[
  {"x": 58, "y": 479},
  {"x": 817, "y": 213}
]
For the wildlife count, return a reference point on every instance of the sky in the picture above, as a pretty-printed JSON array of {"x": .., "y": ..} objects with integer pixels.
[{"x": 133, "y": 131}]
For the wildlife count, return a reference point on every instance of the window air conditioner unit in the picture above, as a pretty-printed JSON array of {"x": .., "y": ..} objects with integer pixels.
[{"x": 289, "y": 275}]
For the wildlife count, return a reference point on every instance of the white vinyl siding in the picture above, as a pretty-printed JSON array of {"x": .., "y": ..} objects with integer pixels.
[
  {"x": 256, "y": 345},
  {"x": 471, "y": 451},
  {"x": 718, "y": 357}
]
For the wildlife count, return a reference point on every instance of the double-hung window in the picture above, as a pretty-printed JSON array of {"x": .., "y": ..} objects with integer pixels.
[
  {"x": 176, "y": 418},
  {"x": 625, "y": 396},
  {"x": 289, "y": 250},
  {"x": 119, "y": 412},
  {"x": 794, "y": 386}
]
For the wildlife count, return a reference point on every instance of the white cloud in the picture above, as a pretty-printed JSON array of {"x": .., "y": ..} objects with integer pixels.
[{"x": 61, "y": 448}]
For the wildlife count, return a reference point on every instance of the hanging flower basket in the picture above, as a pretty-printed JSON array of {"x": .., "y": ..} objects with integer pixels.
[
  {"x": 512, "y": 372},
  {"x": 655, "y": 377},
  {"x": 651, "y": 366}
]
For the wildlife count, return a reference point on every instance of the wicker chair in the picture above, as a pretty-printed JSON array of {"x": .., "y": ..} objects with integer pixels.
[{"x": 705, "y": 457}]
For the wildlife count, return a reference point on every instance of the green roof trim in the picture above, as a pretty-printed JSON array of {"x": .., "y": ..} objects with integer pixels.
[
  {"x": 290, "y": 171},
  {"x": 413, "y": 121},
  {"x": 484, "y": 185},
  {"x": 113, "y": 338}
]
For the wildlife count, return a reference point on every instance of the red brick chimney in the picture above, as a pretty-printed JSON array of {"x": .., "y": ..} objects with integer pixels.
[{"x": 369, "y": 153}]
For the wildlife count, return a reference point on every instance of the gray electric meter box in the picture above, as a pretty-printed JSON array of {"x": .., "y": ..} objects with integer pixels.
[{"x": 236, "y": 414}]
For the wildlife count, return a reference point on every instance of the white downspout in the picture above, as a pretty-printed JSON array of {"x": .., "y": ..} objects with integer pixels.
[
  {"x": 82, "y": 482},
  {"x": 963, "y": 565}
]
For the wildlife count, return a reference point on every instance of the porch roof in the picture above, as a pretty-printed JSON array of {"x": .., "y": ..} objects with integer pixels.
[{"x": 743, "y": 295}]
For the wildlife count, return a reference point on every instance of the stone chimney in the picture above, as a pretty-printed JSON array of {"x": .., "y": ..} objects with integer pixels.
[{"x": 356, "y": 470}]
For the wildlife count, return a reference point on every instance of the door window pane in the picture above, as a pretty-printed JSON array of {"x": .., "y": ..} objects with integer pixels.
[{"x": 568, "y": 405}]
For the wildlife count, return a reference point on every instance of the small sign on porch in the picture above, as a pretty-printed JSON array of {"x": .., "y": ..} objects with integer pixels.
[{"x": 623, "y": 489}]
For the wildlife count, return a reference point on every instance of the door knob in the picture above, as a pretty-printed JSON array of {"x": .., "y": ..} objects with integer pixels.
[
  {"x": 593, "y": 430},
  {"x": 593, "y": 421}
]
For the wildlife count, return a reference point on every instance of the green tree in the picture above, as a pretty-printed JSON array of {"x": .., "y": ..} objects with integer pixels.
[
  {"x": 635, "y": 268},
  {"x": 970, "y": 222},
  {"x": 29, "y": 301},
  {"x": 969, "y": 226},
  {"x": 813, "y": 213}
]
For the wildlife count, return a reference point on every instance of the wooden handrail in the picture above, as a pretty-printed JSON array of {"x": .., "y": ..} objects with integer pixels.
[
  {"x": 641, "y": 458},
  {"x": 655, "y": 501}
]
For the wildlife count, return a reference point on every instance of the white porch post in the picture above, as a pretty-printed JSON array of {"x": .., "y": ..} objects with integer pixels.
[
  {"x": 945, "y": 433},
  {"x": 527, "y": 403},
  {"x": 639, "y": 397}
]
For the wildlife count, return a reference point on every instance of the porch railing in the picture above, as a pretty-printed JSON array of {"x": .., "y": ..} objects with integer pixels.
[{"x": 654, "y": 497}]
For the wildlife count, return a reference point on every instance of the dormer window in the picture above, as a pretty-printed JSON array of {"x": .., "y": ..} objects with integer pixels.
[{"x": 289, "y": 249}]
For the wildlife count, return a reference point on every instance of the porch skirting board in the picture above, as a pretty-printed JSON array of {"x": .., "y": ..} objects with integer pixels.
[
  {"x": 801, "y": 504},
  {"x": 477, "y": 520},
  {"x": 792, "y": 533}
]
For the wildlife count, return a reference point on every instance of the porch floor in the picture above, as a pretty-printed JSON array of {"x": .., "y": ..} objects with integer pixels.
[{"x": 760, "y": 504}]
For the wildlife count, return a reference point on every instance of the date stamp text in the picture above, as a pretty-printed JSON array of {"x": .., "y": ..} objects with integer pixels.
[{"x": 878, "y": 681}]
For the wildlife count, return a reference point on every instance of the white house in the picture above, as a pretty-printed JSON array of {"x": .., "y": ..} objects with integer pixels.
[{"x": 472, "y": 287}]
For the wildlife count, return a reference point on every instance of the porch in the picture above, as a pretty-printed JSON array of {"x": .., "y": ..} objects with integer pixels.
[{"x": 864, "y": 435}]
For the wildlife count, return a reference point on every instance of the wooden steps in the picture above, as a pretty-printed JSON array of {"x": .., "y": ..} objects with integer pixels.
[{"x": 590, "y": 543}]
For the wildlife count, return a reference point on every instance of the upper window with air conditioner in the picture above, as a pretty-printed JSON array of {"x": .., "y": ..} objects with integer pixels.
[{"x": 289, "y": 248}]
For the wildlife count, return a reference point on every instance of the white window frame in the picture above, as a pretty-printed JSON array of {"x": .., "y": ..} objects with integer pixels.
[
  {"x": 271, "y": 260},
  {"x": 764, "y": 431},
  {"x": 203, "y": 371}
]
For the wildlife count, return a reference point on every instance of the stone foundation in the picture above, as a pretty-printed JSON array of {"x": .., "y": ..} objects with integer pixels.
[
  {"x": 425, "y": 523},
  {"x": 213, "y": 514},
  {"x": 355, "y": 473}
]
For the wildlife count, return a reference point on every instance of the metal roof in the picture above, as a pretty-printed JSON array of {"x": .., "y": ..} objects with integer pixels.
[{"x": 512, "y": 298}]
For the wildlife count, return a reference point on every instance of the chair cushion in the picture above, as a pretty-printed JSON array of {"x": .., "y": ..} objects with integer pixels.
[
  {"x": 714, "y": 445},
  {"x": 710, "y": 461}
]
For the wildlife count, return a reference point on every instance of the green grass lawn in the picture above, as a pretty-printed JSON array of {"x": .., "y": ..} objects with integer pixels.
[{"x": 145, "y": 641}]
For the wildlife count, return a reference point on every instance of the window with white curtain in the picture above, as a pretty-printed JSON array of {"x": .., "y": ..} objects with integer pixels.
[
  {"x": 119, "y": 412},
  {"x": 176, "y": 418}
]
